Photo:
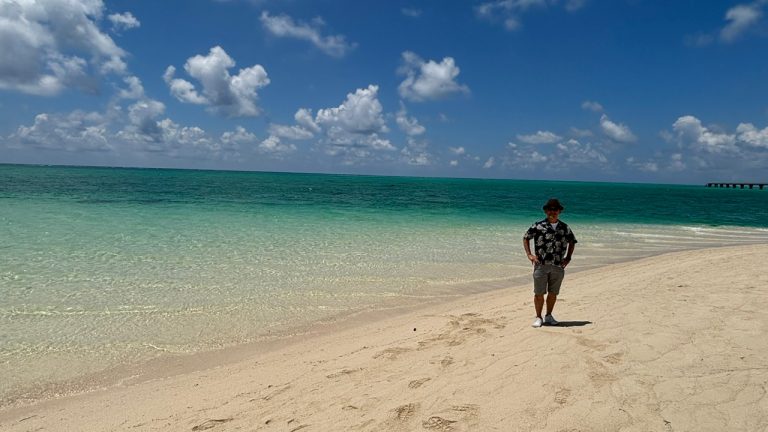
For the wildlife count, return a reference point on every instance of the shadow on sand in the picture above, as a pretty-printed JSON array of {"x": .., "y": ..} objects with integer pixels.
[{"x": 571, "y": 324}]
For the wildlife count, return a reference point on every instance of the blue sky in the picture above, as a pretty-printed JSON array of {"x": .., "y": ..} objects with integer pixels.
[{"x": 620, "y": 90}]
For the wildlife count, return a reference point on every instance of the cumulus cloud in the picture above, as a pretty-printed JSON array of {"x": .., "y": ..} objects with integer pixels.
[
  {"x": 691, "y": 133},
  {"x": 489, "y": 163},
  {"x": 48, "y": 46},
  {"x": 238, "y": 138},
  {"x": 275, "y": 146},
  {"x": 135, "y": 89},
  {"x": 740, "y": 19},
  {"x": 714, "y": 150},
  {"x": 540, "y": 137},
  {"x": 751, "y": 136},
  {"x": 509, "y": 12},
  {"x": 231, "y": 95},
  {"x": 123, "y": 21},
  {"x": 563, "y": 156},
  {"x": 616, "y": 131},
  {"x": 429, "y": 80},
  {"x": 285, "y": 26},
  {"x": 458, "y": 151},
  {"x": 592, "y": 106},
  {"x": 75, "y": 132},
  {"x": 351, "y": 130},
  {"x": 290, "y": 132},
  {"x": 304, "y": 118},
  {"x": 409, "y": 125},
  {"x": 139, "y": 129}
]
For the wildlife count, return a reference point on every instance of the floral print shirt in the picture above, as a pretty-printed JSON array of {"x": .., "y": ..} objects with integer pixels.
[{"x": 550, "y": 243}]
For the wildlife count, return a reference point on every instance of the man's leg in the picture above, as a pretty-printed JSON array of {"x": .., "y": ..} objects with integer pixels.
[
  {"x": 551, "y": 299},
  {"x": 538, "y": 303}
]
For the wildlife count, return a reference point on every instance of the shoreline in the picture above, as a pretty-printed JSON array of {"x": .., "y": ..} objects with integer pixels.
[
  {"x": 248, "y": 359},
  {"x": 174, "y": 364}
]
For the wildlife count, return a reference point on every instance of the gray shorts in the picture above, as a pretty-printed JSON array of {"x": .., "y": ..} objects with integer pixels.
[{"x": 547, "y": 278}]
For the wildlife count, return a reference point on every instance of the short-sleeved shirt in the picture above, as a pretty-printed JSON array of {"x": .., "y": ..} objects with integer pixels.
[{"x": 550, "y": 243}]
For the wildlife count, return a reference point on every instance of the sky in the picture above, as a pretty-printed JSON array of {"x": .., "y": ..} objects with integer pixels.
[{"x": 588, "y": 90}]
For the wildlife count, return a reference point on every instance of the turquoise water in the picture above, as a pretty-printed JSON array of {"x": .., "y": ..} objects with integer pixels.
[{"x": 103, "y": 266}]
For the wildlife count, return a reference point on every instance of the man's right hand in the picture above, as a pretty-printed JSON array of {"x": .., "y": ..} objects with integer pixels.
[{"x": 533, "y": 259}]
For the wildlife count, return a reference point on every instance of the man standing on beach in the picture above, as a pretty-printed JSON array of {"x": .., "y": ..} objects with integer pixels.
[{"x": 554, "y": 242}]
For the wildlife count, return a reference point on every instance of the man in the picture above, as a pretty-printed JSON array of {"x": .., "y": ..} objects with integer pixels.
[{"x": 554, "y": 242}]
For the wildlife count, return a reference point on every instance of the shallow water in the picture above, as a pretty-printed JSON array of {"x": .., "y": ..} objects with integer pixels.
[{"x": 102, "y": 267}]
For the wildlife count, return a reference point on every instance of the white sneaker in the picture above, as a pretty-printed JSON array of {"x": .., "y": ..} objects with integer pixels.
[
  {"x": 550, "y": 320},
  {"x": 537, "y": 323}
]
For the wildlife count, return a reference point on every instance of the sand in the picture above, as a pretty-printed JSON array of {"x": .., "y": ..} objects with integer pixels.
[{"x": 675, "y": 342}]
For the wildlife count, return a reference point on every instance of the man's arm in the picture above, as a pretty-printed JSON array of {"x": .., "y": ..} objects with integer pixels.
[
  {"x": 571, "y": 248},
  {"x": 531, "y": 257}
]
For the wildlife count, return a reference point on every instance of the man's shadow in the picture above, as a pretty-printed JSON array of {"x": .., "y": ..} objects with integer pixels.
[{"x": 570, "y": 324}]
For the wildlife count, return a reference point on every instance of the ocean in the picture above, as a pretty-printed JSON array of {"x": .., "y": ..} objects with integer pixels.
[{"x": 104, "y": 267}]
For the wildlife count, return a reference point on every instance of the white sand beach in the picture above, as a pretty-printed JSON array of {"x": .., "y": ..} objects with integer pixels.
[{"x": 674, "y": 342}]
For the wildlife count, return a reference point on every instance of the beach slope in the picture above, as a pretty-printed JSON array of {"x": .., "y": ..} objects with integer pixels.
[{"x": 672, "y": 342}]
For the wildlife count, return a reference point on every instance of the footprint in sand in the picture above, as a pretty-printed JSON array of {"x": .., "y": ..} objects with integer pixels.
[
  {"x": 614, "y": 358},
  {"x": 210, "y": 424},
  {"x": 467, "y": 410},
  {"x": 438, "y": 424},
  {"x": 561, "y": 396},
  {"x": 418, "y": 383},
  {"x": 599, "y": 374},
  {"x": 447, "y": 361},
  {"x": 405, "y": 412},
  {"x": 343, "y": 372},
  {"x": 391, "y": 353}
]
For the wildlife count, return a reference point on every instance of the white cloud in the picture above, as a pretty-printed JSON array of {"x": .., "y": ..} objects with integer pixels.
[
  {"x": 285, "y": 26},
  {"x": 752, "y": 136},
  {"x": 48, "y": 46},
  {"x": 411, "y": 12},
  {"x": 290, "y": 132},
  {"x": 352, "y": 129},
  {"x": 409, "y": 125},
  {"x": 453, "y": 163},
  {"x": 616, "y": 131},
  {"x": 232, "y": 95},
  {"x": 76, "y": 132},
  {"x": 691, "y": 133},
  {"x": 565, "y": 156},
  {"x": 134, "y": 91},
  {"x": 304, "y": 118},
  {"x": 489, "y": 163},
  {"x": 581, "y": 133},
  {"x": 592, "y": 106},
  {"x": 273, "y": 145},
  {"x": 124, "y": 21},
  {"x": 510, "y": 11},
  {"x": 540, "y": 137},
  {"x": 648, "y": 166},
  {"x": 676, "y": 162},
  {"x": 458, "y": 151},
  {"x": 413, "y": 156},
  {"x": 138, "y": 129},
  {"x": 429, "y": 80},
  {"x": 361, "y": 113},
  {"x": 741, "y": 18},
  {"x": 237, "y": 138}
]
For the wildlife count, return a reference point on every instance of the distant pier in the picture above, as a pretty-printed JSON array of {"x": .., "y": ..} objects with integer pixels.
[{"x": 737, "y": 185}]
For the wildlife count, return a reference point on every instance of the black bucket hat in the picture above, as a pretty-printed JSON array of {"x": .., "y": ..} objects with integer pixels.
[{"x": 553, "y": 203}]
